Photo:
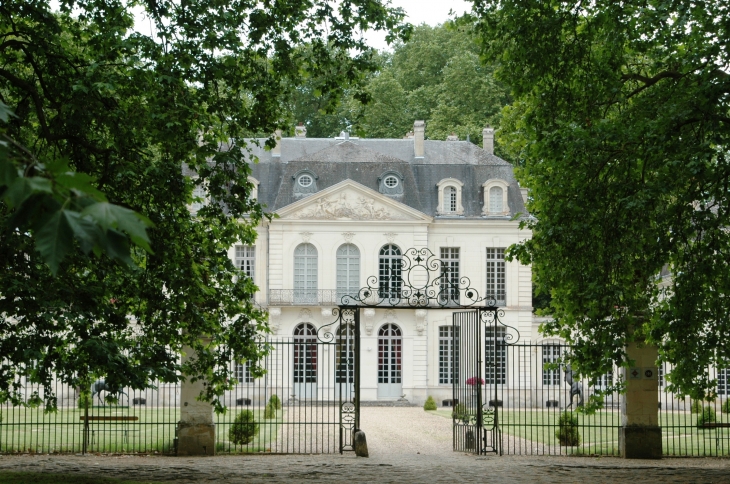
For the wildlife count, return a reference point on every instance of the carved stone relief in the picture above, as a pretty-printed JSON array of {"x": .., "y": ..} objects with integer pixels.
[
  {"x": 340, "y": 207},
  {"x": 369, "y": 319}
]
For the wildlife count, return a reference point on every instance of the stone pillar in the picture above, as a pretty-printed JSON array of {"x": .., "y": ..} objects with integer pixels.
[
  {"x": 640, "y": 436},
  {"x": 196, "y": 430}
]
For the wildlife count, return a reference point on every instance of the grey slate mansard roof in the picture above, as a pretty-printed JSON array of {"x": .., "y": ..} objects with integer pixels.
[{"x": 366, "y": 160}]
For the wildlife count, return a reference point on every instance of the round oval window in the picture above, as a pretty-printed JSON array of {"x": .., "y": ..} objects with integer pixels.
[
  {"x": 391, "y": 181},
  {"x": 305, "y": 180}
]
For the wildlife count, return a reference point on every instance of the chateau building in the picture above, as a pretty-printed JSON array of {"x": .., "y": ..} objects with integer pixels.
[{"x": 348, "y": 209}]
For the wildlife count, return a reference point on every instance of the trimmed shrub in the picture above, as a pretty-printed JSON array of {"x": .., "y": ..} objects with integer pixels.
[
  {"x": 567, "y": 432},
  {"x": 430, "y": 404},
  {"x": 696, "y": 406},
  {"x": 725, "y": 408},
  {"x": 708, "y": 415},
  {"x": 244, "y": 428},
  {"x": 275, "y": 402},
  {"x": 269, "y": 411}
]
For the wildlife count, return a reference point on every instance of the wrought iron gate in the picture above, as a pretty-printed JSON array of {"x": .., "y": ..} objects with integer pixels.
[{"x": 480, "y": 342}]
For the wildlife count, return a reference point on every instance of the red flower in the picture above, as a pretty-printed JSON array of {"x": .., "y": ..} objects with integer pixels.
[{"x": 474, "y": 380}]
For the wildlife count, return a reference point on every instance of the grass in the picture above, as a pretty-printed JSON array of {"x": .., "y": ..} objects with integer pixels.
[
  {"x": 600, "y": 431},
  {"x": 31, "y": 430},
  {"x": 39, "y": 478}
]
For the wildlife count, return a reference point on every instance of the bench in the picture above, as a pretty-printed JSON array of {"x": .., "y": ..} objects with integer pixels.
[
  {"x": 716, "y": 426},
  {"x": 112, "y": 419}
]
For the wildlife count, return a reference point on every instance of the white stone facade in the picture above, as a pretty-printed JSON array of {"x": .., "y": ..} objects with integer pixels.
[{"x": 366, "y": 215}]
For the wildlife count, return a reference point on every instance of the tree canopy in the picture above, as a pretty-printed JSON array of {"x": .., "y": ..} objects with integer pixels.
[
  {"x": 436, "y": 76},
  {"x": 621, "y": 121},
  {"x": 121, "y": 113}
]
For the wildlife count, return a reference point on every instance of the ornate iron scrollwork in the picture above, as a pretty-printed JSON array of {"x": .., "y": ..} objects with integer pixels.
[
  {"x": 326, "y": 333},
  {"x": 420, "y": 281},
  {"x": 493, "y": 319}
]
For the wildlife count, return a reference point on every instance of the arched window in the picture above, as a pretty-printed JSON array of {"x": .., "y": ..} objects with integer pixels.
[
  {"x": 305, "y": 274},
  {"x": 390, "y": 272},
  {"x": 348, "y": 271},
  {"x": 449, "y": 193},
  {"x": 390, "y": 354},
  {"x": 305, "y": 360}
]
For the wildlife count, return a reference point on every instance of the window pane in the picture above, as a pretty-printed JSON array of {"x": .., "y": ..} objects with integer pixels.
[
  {"x": 389, "y": 272},
  {"x": 495, "y": 371},
  {"x": 348, "y": 270},
  {"x": 245, "y": 259},
  {"x": 550, "y": 354},
  {"x": 449, "y": 275},
  {"x": 496, "y": 284},
  {"x": 495, "y": 200},
  {"x": 448, "y": 354}
]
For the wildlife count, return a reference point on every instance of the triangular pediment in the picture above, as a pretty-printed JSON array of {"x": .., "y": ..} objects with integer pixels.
[{"x": 349, "y": 200}]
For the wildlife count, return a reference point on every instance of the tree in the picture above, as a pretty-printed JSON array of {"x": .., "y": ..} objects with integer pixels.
[
  {"x": 141, "y": 119},
  {"x": 436, "y": 76},
  {"x": 622, "y": 126}
]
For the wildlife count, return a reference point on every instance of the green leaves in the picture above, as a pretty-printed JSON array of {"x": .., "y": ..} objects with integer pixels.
[
  {"x": 112, "y": 123},
  {"x": 621, "y": 128}
]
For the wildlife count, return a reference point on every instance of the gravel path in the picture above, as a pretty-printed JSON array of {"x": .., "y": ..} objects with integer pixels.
[{"x": 406, "y": 445}]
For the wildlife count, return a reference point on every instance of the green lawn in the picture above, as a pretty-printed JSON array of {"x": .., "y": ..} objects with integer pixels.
[
  {"x": 38, "y": 478},
  {"x": 599, "y": 432},
  {"x": 32, "y": 430}
]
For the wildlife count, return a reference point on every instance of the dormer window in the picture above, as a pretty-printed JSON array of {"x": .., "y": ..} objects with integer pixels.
[
  {"x": 255, "y": 190},
  {"x": 390, "y": 183},
  {"x": 305, "y": 183},
  {"x": 449, "y": 192},
  {"x": 495, "y": 197}
]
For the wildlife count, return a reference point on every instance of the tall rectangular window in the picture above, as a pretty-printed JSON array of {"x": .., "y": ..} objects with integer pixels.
[
  {"x": 723, "y": 381},
  {"x": 550, "y": 354},
  {"x": 496, "y": 287},
  {"x": 495, "y": 356},
  {"x": 246, "y": 259},
  {"x": 660, "y": 374},
  {"x": 604, "y": 381},
  {"x": 243, "y": 373},
  {"x": 449, "y": 274},
  {"x": 448, "y": 354},
  {"x": 200, "y": 198}
]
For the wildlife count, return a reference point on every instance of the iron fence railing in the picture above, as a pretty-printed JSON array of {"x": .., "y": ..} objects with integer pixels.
[{"x": 308, "y": 378}]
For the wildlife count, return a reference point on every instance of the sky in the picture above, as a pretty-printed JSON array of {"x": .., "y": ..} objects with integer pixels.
[{"x": 431, "y": 12}]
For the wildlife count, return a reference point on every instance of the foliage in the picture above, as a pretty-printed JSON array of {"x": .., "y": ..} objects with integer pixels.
[
  {"x": 244, "y": 428},
  {"x": 111, "y": 122},
  {"x": 725, "y": 407},
  {"x": 696, "y": 406},
  {"x": 275, "y": 401},
  {"x": 707, "y": 416},
  {"x": 567, "y": 432},
  {"x": 84, "y": 401},
  {"x": 435, "y": 76},
  {"x": 430, "y": 404},
  {"x": 620, "y": 124},
  {"x": 269, "y": 411}
]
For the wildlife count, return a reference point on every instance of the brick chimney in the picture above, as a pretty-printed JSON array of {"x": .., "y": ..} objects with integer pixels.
[
  {"x": 488, "y": 135},
  {"x": 419, "y": 131}
]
